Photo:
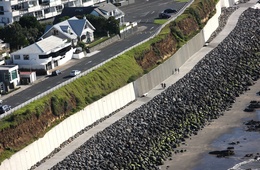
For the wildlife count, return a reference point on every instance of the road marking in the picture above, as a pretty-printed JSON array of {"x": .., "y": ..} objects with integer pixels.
[
  {"x": 151, "y": 28},
  {"x": 152, "y": 12},
  {"x": 144, "y": 14},
  {"x": 160, "y": 4}
]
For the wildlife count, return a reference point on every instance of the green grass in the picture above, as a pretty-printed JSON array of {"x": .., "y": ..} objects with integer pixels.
[
  {"x": 160, "y": 21},
  {"x": 181, "y": 0}
]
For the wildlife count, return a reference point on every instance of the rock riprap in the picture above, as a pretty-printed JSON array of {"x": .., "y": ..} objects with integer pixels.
[{"x": 150, "y": 134}]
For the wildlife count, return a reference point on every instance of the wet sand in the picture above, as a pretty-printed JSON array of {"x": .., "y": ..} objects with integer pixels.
[{"x": 199, "y": 145}]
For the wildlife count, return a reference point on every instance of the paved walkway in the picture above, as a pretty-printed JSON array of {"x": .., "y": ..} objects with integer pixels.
[{"x": 187, "y": 66}]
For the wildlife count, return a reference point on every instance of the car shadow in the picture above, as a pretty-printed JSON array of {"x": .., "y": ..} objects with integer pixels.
[{"x": 67, "y": 77}]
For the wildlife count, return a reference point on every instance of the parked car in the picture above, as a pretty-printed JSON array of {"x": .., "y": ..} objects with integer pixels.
[
  {"x": 4, "y": 108},
  {"x": 74, "y": 73},
  {"x": 56, "y": 72},
  {"x": 167, "y": 13},
  {"x": 170, "y": 11},
  {"x": 164, "y": 15}
]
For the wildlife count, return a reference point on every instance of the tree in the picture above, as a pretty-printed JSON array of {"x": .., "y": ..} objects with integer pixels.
[
  {"x": 33, "y": 26},
  {"x": 100, "y": 23},
  {"x": 15, "y": 35},
  {"x": 63, "y": 18},
  {"x": 112, "y": 25},
  {"x": 29, "y": 22}
]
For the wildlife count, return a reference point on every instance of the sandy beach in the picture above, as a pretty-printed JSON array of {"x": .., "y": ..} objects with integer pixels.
[{"x": 199, "y": 145}]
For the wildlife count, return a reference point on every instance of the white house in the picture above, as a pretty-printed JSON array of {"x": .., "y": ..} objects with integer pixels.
[
  {"x": 73, "y": 29},
  {"x": 44, "y": 55},
  {"x": 109, "y": 10}
]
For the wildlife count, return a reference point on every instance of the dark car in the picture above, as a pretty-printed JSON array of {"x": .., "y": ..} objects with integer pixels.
[
  {"x": 164, "y": 15},
  {"x": 167, "y": 13},
  {"x": 4, "y": 108},
  {"x": 170, "y": 11},
  {"x": 56, "y": 72}
]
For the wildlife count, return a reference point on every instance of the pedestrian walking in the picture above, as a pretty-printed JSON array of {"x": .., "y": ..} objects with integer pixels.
[
  {"x": 178, "y": 70},
  {"x": 164, "y": 85}
]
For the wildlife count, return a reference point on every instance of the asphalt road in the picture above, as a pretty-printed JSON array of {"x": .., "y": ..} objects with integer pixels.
[{"x": 142, "y": 11}]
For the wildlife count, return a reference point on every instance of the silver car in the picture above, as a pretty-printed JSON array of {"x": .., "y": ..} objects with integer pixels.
[
  {"x": 74, "y": 73},
  {"x": 4, "y": 108}
]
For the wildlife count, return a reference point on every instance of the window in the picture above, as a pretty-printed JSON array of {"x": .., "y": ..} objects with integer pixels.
[
  {"x": 1, "y": 10},
  {"x": 14, "y": 74},
  {"x": 6, "y": 77},
  {"x": 46, "y": 11},
  {"x": 17, "y": 57},
  {"x": 43, "y": 56},
  {"x": 38, "y": 14},
  {"x": 55, "y": 32},
  {"x": 61, "y": 52},
  {"x": 59, "y": 8},
  {"x": 26, "y": 57}
]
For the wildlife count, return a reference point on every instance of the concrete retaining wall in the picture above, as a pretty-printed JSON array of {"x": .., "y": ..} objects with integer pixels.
[
  {"x": 38, "y": 150},
  {"x": 105, "y": 43},
  {"x": 166, "y": 69}
]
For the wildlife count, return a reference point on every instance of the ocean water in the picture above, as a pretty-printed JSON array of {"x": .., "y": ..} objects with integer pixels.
[{"x": 245, "y": 143}]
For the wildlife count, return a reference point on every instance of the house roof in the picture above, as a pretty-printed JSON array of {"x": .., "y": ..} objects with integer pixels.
[
  {"x": 105, "y": 7},
  {"x": 77, "y": 25},
  {"x": 72, "y": 28},
  {"x": 6, "y": 67},
  {"x": 100, "y": 9},
  {"x": 43, "y": 46}
]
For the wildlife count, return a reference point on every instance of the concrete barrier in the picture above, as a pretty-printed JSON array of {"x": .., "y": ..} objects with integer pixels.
[{"x": 166, "y": 69}]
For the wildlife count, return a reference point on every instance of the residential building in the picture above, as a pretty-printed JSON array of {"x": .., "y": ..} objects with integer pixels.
[
  {"x": 73, "y": 29},
  {"x": 44, "y": 55},
  {"x": 103, "y": 9},
  {"x": 56, "y": 46},
  {"x": 9, "y": 77},
  {"x": 27, "y": 77},
  {"x": 13, "y": 10}
]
